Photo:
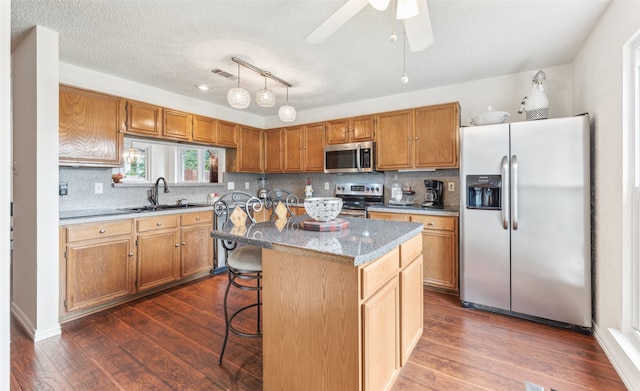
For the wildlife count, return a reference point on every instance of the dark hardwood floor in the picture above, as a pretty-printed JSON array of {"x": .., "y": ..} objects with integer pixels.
[{"x": 171, "y": 341}]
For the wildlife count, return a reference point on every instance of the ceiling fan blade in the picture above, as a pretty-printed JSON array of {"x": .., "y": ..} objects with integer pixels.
[
  {"x": 418, "y": 28},
  {"x": 335, "y": 21}
]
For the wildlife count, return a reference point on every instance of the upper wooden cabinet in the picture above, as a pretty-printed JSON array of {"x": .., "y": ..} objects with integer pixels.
[
  {"x": 294, "y": 144},
  {"x": 350, "y": 130},
  {"x": 205, "y": 130},
  {"x": 436, "y": 135},
  {"x": 273, "y": 150},
  {"x": 395, "y": 140},
  {"x": 425, "y": 137},
  {"x": 227, "y": 134},
  {"x": 144, "y": 119},
  {"x": 314, "y": 147},
  {"x": 91, "y": 127},
  {"x": 248, "y": 157},
  {"x": 176, "y": 124}
]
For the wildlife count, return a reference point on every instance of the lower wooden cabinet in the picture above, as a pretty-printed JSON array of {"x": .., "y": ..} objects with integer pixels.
[
  {"x": 439, "y": 246},
  {"x": 107, "y": 263},
  {"x": 99, "y": 264}
]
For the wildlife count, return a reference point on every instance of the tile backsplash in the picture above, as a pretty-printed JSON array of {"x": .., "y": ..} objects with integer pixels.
[{"x": 81, "y": 186}]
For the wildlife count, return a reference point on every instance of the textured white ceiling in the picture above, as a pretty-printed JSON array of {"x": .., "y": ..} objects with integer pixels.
[{"x": 174, "y": 44}]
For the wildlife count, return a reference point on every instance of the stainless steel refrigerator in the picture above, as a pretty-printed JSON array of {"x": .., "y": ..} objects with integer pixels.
[{"x": 525, "y": 245}]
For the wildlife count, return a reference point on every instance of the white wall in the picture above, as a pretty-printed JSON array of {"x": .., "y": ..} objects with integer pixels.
[
  {"x": 5, "y": 189},
  {"x": 598, "y": 89},
  {"x": 35, "y": 183}
]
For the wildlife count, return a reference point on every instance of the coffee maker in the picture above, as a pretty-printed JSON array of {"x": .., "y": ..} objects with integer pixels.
[{"x": 433, "y": 194}]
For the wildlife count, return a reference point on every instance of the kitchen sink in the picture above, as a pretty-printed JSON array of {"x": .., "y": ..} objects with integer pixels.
[{"x": 155, "y": 208}]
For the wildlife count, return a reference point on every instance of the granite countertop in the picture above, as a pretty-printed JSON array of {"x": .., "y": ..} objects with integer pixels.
[
  {"x": 448, "y": 210},
  {"x": 96, "y": 215},
  {"x": 363, "y": 241}
]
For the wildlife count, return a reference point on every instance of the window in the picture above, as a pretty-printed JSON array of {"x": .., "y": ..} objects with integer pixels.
[
  {"x": 200, "y": 164},
  {"x": 135, "y": 158}
]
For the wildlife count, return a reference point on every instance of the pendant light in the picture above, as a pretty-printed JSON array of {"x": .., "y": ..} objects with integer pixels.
[
  {"x": 287, "y": 113},
  {"x": 238, "y": 98},
  {"x": 265, "y": 97},
  {"x": 404, "y": 79}
]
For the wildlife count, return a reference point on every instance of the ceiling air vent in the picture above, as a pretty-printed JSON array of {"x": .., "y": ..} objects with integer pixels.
[{"x": 222, "y": 73}]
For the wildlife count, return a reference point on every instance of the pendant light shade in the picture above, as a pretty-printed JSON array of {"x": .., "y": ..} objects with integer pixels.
[
  {"x": 287, "y": 113},
  {"x": 238, "y": 98},
  {"x": 265, "y": 97}
]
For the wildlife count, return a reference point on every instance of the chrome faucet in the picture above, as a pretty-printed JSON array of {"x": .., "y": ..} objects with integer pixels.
[{"x": 153, "y": 193}]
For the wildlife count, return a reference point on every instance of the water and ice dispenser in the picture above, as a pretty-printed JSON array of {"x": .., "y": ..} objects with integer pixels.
[{"x": 483, "y": 191}]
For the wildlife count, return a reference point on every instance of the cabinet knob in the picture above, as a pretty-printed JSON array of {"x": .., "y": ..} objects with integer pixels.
[
  {"x": 430, "y": 223},
  {"x": 197, "y": 218},
  {"x": 177, "y": 244},
  {"x": 416, "y": 137},
  {"x": 130, "y": 254},
  {"x": 103, "y": 231},
  {"x": 184, "y": 243},
  {"x": 409, "y": 138},
  {"x": 121, "y": 131},
  {"x": 158, "y": 224}
]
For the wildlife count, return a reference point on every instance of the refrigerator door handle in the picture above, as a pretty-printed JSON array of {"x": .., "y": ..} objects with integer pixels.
[
  {"x": 514, "y": 192},
  {"x": 505, "y": 193}
]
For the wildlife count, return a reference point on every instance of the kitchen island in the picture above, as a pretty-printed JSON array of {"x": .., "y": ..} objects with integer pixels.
[{"x": 341, "y": 310}]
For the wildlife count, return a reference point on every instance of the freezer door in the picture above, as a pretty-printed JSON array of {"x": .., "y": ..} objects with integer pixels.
[
  {"x": 550, "y": 238},
  {"x": 484, "y": 244}
]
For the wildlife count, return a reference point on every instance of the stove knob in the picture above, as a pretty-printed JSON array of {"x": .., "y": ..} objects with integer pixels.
[
  {"x": 367, "y": 188},
  {"x": 377, "y": 189}
]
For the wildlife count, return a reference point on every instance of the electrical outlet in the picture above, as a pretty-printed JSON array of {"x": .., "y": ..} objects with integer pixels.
[
  {"x": 326, "y": 185},
  {"x": 63, "y": 189},
  {"x": 246, "y": 185},
  {"x": 231, "y": 186},
  {"x": 451, "y": 186},
  {"x": 97, "y": 188}
]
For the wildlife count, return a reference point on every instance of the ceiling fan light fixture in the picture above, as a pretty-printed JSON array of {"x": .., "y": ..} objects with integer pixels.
[
  {"x": 238, "y": 98},
  {"x": 407, "y": 9},
  {"x": 380, "y": 5},
  {"x": 265, "y": 97}
]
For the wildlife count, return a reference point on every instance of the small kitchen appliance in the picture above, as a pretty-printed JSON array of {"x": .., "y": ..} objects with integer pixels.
[
  {"x": 433, "y": 194},
  {"x": 351, "y": 157},
  {"x": 262, "y": 187}
]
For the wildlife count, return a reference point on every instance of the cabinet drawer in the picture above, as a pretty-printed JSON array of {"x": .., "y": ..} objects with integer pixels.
[
  {"x": 410, "y": 250},
  {"x": 157, "y": 222},
  {"x": 196, "y": 218},
  {"x": 378, "y": 272},
  {"x": 435, "y": 222},
  {"x": 98, "y": 230}
]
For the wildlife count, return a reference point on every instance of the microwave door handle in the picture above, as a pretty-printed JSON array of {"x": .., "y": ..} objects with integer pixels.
[
  {"x": 505, "y": 192},
  {"x": 358, "y": 158}
]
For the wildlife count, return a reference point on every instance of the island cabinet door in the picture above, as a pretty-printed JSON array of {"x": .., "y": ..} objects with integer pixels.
[{"x": 380, "y": 318}]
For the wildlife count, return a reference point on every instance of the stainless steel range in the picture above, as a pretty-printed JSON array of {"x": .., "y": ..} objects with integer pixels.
[{"x": 357, "y": 196}]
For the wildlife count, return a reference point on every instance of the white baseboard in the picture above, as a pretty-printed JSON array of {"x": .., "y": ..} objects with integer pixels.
[
  {"x": 27, "y": 325},
  {"x": 624, "y": 354}
]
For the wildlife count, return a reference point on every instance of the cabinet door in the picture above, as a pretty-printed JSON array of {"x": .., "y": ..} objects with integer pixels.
[
  {"x": 293, "y": 149},
  {"x": 227, "y": 134},
  {"x": 158, "y": 254},
  {"x": 176, "y": 125},
  {"x": 273, "y": 151},
  {"x": 338, "y": 131},
  {"x": 412, "y": 308},
  {"x": 196, "y": 248},
  {"x": 314, "y": 148},
  {"x": 91, "y": 127},
  {"x": 436, "y": 136},
  {"x": 380, "y": 320},
  {"x": 143, "y": 119},
  {"x": 205, "y": 129},
  {"x": 440, "y": 249},
  {"x": 98, "y": 271},
  {"x": 361, "y": 128},
  {"x": 250, "y": 150},
  {"x": 394, "y": 140}
]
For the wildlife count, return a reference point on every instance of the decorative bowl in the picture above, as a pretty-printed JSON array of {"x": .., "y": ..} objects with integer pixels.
[
  {"x": 491, "y": 117},
  {"x": 323, "y": 208}
]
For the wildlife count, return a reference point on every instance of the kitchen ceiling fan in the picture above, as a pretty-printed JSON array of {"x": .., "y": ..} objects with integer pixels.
[{"x": 414, "y": 14}]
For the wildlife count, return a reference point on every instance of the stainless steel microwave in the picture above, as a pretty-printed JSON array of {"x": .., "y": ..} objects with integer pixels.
[{"x": 352, "y": 157}]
